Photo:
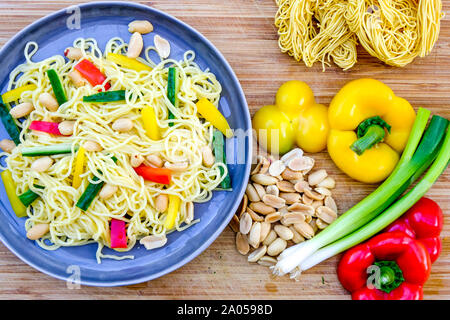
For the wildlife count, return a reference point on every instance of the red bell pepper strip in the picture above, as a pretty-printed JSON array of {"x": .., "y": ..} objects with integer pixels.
[
  {"x": 91, "y": 73},
  {"x": 45, "y": 126},
  {"x": 423, "y": 222},
  {"x": 390, "y": 266},
  {"x": 118, "y": 234},
  {"x": 158, "y": 175}
]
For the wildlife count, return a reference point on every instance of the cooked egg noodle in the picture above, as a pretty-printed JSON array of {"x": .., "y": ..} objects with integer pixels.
[{"x": 134, "y": 202}]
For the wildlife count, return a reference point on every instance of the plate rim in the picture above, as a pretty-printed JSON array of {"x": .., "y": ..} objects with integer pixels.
[{"x": 215, "y": 235}]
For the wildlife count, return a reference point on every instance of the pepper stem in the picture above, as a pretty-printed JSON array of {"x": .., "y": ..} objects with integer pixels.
[
  {"x": 373, "y": 135},
  {"x": 390, "y": 276},
  {"x": 370, "y": 132}
]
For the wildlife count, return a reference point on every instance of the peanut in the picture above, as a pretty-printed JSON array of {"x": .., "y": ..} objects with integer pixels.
[
  {"x": 135, "y": 46},
  {"x": 136, "y": 160},
  {"x": 66, "y": 127},
  {"x": 153, "y": 242},
  {"x": 7, "y": 145},
  {"x": 49, "y": 101},
  {"x": 162, "y": 202},
  {"x": 73, "y": 53},
  {"x": 207, "y": 157},
  {"x": 141, "y": 26},
  {"x": 155, "y": 160},
  {"x": 21, "y": 110},
  {"x": 38, "y": 231},
  {"x": 76, "y": 78},
  {"x": 93, "y": 146},
  {"x": 122, "y": 125},
  {"x": 107, "y": 191},
  {"x": 42, "y": 164}
]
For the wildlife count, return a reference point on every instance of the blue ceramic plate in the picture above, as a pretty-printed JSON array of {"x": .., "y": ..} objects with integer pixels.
[{"x": 102, "y": 21}]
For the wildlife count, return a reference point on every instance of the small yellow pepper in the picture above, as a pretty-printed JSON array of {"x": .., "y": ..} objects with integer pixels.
[
  {"x": 15, "y": 94},
  {"x": 370, "y": 126},
  {"x": 297, "y": 118},
  {"x": 78, "y": 167},
  {"x": 172, "y": 211},
  {"x": 312, "y": 128},
  {"x": 213, "y": 115},
  {"x": 150, "y": 124},
  {"x": 10, "y": 186},
  {"x": 294, "y": 96},
  {"x": 274, "y": 129},
  {"x": 126, "y": 62}
]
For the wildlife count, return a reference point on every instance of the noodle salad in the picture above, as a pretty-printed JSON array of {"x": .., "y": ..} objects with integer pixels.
[{"x": 111, "y": 147}]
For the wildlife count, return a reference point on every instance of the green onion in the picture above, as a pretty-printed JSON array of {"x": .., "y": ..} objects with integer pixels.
[
  {"x": 107, "y": 96},
  {"x": 220, "y": 156},
  {"x": 388, "y": 216},
  {"x": 57, "y": 86},
  {"x": 29, "y": 196},
  {"x": 173, "y": 85},
  {"x": 61, "y": 148},
  {"x": 405, "y": 173},
  {"x": 9, "y": 124},
  {"x": 91, "y": 191}
]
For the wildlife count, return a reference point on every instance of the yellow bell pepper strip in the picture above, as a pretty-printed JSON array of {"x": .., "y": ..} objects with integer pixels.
[
  {"x": 15, "y": 94},
  {"x": 78, "y": 167},
  {"x": 370, "y": 126},
  {"x": 213, "y": 115},
  {"x": 10, "y": 186},
  {"x": 126, "y": 62},
  {"x": 297, "y": 118},
  {"x": 150, "y": 123},
  {"x": 172, "y": 211}
]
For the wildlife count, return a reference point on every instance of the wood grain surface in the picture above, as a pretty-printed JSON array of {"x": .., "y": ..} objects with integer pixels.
[{"x": 243, "y": 31}]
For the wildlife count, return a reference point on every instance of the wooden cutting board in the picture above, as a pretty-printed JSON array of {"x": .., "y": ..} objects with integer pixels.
[{"x": 243, "y": 31}]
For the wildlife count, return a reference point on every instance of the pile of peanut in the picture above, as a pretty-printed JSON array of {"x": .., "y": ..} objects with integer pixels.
[{"x": 285, "y": 203}]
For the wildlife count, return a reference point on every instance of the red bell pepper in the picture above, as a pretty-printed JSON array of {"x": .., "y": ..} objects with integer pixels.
[
  {"x": 423, "y": 222},
  {"x": 158, "y": 175},
  {"x": 45, "y": 126},
  {"x": 118, "y": 234},
  {"x": 390, "y": 266},
  {"x": 91, "y": 73}
]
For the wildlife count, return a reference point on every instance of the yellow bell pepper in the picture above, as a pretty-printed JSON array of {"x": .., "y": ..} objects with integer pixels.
[
  {"x": 296, "y": 116},
  {"x": 15, "y": 94},
  {"x": 150, "y": 124},
  {"x": 78, "y": 167},
  {"x": 213, "y": 115},
  {"x": 172, "y": 211},
  {"x": 10, "y": 186},
  {"x": 370, "y": 126},
  {"x": 126, "y": 62}
]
